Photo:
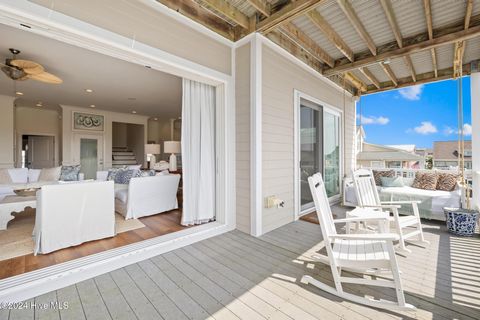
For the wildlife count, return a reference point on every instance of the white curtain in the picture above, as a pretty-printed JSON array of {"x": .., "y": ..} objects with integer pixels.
[{"x": 198, "y": 152}]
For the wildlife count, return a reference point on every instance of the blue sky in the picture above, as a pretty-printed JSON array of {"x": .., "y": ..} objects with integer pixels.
[{"x": 415, "y": 115}]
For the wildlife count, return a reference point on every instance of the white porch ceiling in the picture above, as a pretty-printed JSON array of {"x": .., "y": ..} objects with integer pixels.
[{"x": 118, "y": 85}]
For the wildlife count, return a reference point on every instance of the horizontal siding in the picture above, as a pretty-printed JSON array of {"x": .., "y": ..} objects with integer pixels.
[
  {"x": 242, "y": 119},
  {"x": 280, "y": 78}
]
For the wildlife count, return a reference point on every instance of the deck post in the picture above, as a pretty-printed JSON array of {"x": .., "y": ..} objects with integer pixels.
[{"x": 475, "y": 107}]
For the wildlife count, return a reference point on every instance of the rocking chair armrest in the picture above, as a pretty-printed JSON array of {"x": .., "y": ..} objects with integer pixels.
[
  {"x": 401, "y": 202},
  {"x": 367, "y": 236},
  {"x": 360, "y": 219},
  {"x": 383, "y": 206}
]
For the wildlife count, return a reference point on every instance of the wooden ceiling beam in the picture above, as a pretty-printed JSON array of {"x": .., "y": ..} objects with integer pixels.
[
  {"x": 389, "y": 73},
  {"x": 357, "y": 24},
  {"x": 392, "y": 21},
  {"x": 229, "y": 11},
  {"x": 369, "y": 75},
  {"x": 460, "y": 46},
  {"x": 201, "y": 15},
  {"x": 286, "y": 14},
  {"x": 331, "y": 35},
  {"x": 394, "y": 53},
  {"x": 356, "y": 82},
  {"x": 427, "y": 77},
  {"x": 304, "y": 41},
  {"x": 429, "y": 19},
  {"x": 262, "y": 6}
]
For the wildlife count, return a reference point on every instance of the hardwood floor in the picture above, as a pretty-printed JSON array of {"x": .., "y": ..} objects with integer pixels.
[{"x": 157, "y": 225}]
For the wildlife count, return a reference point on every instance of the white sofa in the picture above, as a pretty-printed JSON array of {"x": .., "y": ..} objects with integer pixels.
[
  {"x": 145, "y": 196},
  {"x": 73, "y": 213},
  {"x": 24, "y": 178},
  {"x": 432, "y": 201}
]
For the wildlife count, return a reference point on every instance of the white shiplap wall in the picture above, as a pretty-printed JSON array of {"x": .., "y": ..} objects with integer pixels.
[
  {"x": 280, "y": 78},
  {"x": 242, "y": 118}
]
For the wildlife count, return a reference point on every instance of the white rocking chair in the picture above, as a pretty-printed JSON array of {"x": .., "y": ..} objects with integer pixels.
[
  {"x": 362, "y": 253},
  {"x": 367, "y": 197}
]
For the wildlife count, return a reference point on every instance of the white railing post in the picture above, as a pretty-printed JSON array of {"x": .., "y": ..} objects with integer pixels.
[{"x": 475, "y": 107}]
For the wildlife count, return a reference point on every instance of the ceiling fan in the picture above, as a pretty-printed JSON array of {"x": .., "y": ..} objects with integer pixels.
[{"x": 17, "y": 69}]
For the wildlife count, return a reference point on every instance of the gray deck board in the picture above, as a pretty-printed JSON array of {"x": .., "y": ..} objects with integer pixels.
[{"x": 236, "y": 276}]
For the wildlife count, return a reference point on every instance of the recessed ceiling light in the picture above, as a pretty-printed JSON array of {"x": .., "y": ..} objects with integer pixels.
[
  {"x": 92, "y": 106},
  {"x": 89, "y": 90},
  {"x": 134, "y": 111},
  {"x": 155, "y": 119},
  {"x": 39, "y": 104},
  {"x": 18, "y": 93}
]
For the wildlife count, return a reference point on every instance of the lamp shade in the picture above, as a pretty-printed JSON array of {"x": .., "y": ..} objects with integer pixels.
[
  {"x": 152, "y": 148},
  {"x": 171, "y": 147}
]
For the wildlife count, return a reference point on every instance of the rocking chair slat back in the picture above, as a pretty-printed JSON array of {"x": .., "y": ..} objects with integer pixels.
[
  {"x": 324, "y": 212},
  {"x": 365, "y": 188}
]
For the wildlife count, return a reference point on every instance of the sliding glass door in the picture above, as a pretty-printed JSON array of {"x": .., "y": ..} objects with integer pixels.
[{"x": 319, "y": 150}]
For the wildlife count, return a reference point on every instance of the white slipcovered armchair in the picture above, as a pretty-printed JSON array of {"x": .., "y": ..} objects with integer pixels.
[{"x": 70, "y": 214}]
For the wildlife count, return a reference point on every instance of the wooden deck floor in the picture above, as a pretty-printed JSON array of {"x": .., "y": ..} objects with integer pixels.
[{"x": 236, "y": 276}]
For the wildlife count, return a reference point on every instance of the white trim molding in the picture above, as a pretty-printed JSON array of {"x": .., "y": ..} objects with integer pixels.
[{"x": 256, "y": 136}]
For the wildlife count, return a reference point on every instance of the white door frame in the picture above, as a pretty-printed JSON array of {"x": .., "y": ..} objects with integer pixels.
[
  {"x": 18, "y": 146},
  {"x": 52, "y": 24},
  {"x": 297, "y": 96}
]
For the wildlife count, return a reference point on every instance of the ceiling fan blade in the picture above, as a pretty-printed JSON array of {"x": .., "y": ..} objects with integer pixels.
[
  {"x": 29, "y": 67},
  {"x": 46, "y": 77}
]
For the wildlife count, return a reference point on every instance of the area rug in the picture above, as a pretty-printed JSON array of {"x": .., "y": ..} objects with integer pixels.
[{"x": 17, "y": 239}]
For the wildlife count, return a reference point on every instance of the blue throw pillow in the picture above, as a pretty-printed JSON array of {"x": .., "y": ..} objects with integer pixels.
[
  {"x": 392, "y": 181},
  {"x": 145, "y": 173},
  {"x": 69, "y": 173},
  {"x": 123, "y": 176},
  {"x": 113, "y": 172}
]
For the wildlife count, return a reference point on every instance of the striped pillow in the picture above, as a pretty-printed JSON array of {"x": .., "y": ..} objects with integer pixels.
[
  {"x": 377, "y": 175},
  {"x": 426, "y": 180},
  {"x": 447, "y": 181}
]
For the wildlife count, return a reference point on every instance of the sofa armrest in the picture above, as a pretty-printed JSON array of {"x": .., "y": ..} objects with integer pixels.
[
  {"x": 102, "y": 175},
  {"x": 81, "y": 176}
]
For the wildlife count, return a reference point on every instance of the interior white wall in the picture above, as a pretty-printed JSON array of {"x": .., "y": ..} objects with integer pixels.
[
  {"x": 159, "y": 131},
  {"x": 68, "y": 133},
  {"x": 7, "y": 131},
  {"x": 119, "y": 134},
  {"x": 37, "y": 121}
]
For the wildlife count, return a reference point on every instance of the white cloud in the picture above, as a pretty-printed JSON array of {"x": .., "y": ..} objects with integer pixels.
[
  {"x": 411, "y": 93},
  {"x": 365, "y": 120},
  {"x": 467, "y": 130},
  {"x": 426, "y": 127}
]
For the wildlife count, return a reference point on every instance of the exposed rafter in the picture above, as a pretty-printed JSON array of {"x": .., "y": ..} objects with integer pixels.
[
  {"x": 369, "y": 75},
  {"x": 393, "y": 53},
  {"x": 357, "y": 83},
  {"x": 286, "y": 14},
  {"x": 389, "y": 73},
  {"x": 229, "y": 11},
  {"x": 429, "y": 19},
  {"x": 460, "y": 46},
  {"x": 357, "y": 24},
  {"x": 443, "y": 74},
  {"x": 201, "y": 15},
  {"x": 306, "y": 43},
  {"x": 262, "y": 6},
  {"x": 392, "y": 21},
  {"x": 331, "y": 35}
]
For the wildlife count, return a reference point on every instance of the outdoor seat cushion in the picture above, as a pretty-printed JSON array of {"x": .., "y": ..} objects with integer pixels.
[{"x": 121, "y": 192}]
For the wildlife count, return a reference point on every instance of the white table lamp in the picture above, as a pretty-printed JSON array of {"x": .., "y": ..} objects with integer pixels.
[
  {"x": 151, "y": 150},
  {"x": 172, "y": 147}
]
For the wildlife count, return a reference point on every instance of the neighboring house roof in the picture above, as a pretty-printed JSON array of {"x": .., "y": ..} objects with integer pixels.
[
  {"x": 372, "y": 147},
  {"x": 405, "y": 147},
  {"x": 388, "y": 156},
  {"x": 446, "y": 150},
  {"x": 361, "y": 132}
]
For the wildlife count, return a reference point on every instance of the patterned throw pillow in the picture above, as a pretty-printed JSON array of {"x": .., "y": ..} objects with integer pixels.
[
  {"x": 426, "y": 180},
  {"x": 145, "y": 173},
  {"x": 69, "y": 173},
  {"x": 377, "y": 175},
  {"x": 447, "y": 181},
  {"x": 123, "y": 176},
  {"x": 113, "y": 172}
]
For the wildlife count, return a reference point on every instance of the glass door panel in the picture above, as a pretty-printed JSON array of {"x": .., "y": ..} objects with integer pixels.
[
  {"x": 311, "y": 151},
  {"x": 89, "y": 157},
  {"x": 331, "y": 135}
]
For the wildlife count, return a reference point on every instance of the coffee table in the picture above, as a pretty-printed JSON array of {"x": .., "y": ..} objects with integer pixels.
[{"x": 14, "y": 204}]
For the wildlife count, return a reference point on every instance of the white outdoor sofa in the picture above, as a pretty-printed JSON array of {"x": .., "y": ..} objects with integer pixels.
[
  {"x": 432, "y": 201},
  {"x": 145, "y": 196}
]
